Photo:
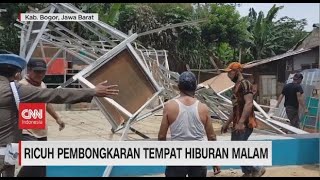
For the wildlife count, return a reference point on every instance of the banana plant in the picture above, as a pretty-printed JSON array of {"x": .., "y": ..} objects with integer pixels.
[{"x": 264, "y": 35}]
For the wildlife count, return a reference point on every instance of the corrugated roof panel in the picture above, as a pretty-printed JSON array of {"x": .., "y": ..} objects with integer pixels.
[{"x": 274, "y": 58}]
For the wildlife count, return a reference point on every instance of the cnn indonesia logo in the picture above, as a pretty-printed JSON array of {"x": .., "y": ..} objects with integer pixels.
[{"x": 32, "y": 116}]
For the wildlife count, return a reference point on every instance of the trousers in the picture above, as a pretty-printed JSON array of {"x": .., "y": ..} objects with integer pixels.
[
  {"x": 244, "y": 136},
  {"x": 183, "y": 171},
  {"x": 293, "y": 116},
  {"x": 32, "y": 171}
]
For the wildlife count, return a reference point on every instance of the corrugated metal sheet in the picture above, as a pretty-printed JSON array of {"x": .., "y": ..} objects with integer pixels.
[
  {"x": 311, "y": 80},
  {"x": 311, "y": 41},
  {"x": 306, "y": 44},
  {"x": 268, "y": 88},
  {"x": 274, "y": 58}
]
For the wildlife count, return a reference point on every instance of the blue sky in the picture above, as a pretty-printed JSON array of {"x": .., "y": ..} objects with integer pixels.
[{"x": 309, "y": 11}]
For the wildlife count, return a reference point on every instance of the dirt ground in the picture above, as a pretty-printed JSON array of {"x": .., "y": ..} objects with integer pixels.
[
  {"x": 92, "y": 125},
  {"x": 284, "y": 171}
]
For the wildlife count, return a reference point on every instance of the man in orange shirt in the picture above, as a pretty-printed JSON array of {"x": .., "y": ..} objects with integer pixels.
[{"x": 242, "y": 117}]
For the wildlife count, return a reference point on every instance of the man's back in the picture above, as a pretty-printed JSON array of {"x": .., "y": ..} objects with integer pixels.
[
  {"x": 186, "y": 119},
  {"x": 290, "y": 92},
  {"x": 9, "y": 131}
]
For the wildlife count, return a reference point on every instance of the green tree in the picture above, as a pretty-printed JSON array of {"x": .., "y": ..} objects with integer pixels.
[
  {"x": 269, "y": 37},
  {"x": 225, "y": 28},
  {"x": 264, "y": 35},
  {"x": 108, "y": 13},
  {"x": 182, "y": 42},
  {"x": 291, "y": 32},
  {"x": 9, "y": 39}
]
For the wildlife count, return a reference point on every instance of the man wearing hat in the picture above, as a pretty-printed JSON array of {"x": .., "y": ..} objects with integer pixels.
[
  {"x": 242, "y": 117},
  {"x": 188, "y": 120},
  {"x": 36, "y": 71},
  {"x": 293, "y": 94},
  {"x": 11, "y": 66}
]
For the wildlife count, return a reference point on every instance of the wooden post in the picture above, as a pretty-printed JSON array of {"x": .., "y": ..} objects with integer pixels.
[
  {"x": 188, "y": 67},
  {"x": 240, "y": 55},
  {"x": 199, "y": 73}
]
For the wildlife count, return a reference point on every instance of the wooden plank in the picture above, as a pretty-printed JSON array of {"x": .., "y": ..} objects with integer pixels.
[
  {"x": 134, "y": 86},
  {"x": 117, "y": 115}
]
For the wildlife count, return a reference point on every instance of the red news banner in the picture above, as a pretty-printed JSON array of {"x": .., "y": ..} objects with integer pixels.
[{"x": 32, "y": 116}]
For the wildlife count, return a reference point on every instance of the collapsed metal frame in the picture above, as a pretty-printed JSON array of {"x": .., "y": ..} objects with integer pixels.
[
  {"x": 71, "y": 42},
  {"x": 66, "y": 43},
  {"x": 43, "y": 34}
]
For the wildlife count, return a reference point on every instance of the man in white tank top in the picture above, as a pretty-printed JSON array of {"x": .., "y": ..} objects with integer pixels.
[{"x": 188, "y": 120}]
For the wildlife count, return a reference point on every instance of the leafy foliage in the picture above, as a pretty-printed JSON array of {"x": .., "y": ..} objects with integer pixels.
[
  {"x": 224, "y": 25},
  {"x": 292, "y": 31},
  {"x": 222, "y": 36},
  {"x": 9, "y": 39},
  {"x": 269, "y": 37}
]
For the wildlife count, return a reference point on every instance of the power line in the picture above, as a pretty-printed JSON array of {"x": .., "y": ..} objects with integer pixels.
[{"x": 172, "y": 26}]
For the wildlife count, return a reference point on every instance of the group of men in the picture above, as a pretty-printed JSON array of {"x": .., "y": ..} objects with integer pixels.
[
  {"x": 190, "y": 120},
  {"x": 187, "y": 118}
]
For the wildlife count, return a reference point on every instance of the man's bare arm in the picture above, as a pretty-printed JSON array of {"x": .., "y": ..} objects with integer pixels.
[
  {"x": 208, "y": 127},
  {"x": 229, "y": 120},
  {"x": 248, "y": 98},
  {"x": 52, "y": 112},
  {"x": 31, "y": 94},
  {"x": 162, "y": 135},
  {"x": 300, "y": 98},
  {"x": 279, "y": 100}
]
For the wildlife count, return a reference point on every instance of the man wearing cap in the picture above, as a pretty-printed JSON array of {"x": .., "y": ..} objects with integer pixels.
[
  {"x": 36, "y": 71},
  {"x": 11, "y": 66},
  {"x": 242, "y": 117},
  {"x": 188, "y": 120},
  {"x": 293, "y": 94}
]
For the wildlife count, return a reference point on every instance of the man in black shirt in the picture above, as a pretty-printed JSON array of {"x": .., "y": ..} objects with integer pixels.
[{"x": 293, "y": 93}]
